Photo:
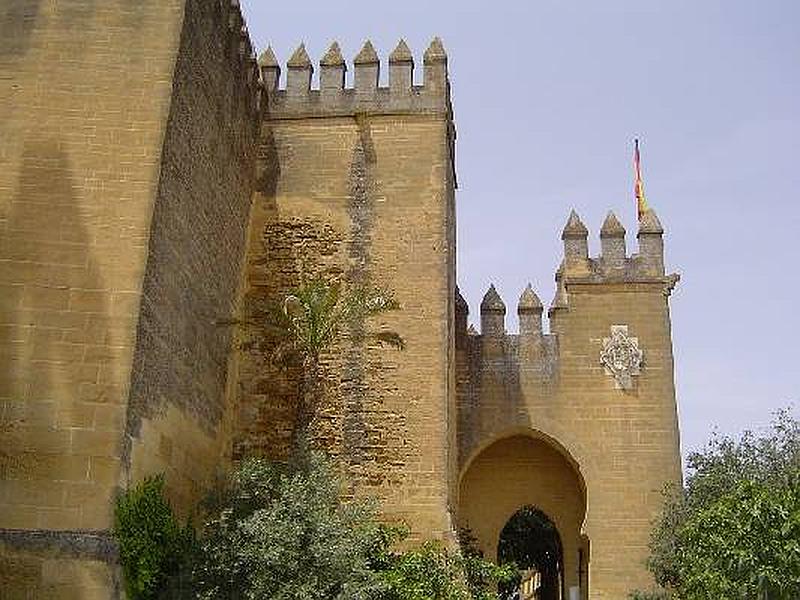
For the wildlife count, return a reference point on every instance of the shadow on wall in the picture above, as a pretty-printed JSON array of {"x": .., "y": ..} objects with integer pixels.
[
  {"x": 53, "y": 310},
  {"x": 17, "y": 21}
]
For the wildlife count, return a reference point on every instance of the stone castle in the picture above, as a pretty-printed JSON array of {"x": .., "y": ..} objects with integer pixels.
[{"x": 156, "y": 181}]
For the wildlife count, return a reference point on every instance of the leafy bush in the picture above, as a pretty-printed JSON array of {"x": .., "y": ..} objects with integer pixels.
[
  {"x": 281, "y": 531},
  {"x": 733, "y": 531},
  {"x": 483, "y": 576},
  {"x": 153, "y": 546},
  {"x": 429, "y": 572}
]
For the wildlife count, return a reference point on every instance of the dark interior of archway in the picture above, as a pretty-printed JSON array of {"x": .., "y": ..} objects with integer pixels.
[{"x": 530, "y": 539}]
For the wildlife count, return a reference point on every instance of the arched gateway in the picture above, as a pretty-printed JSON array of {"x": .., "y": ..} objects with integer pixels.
[{"x": 527, "y": 474}]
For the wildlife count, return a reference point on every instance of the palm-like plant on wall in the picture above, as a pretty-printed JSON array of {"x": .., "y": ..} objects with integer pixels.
[{"x": 308, "y": 322}]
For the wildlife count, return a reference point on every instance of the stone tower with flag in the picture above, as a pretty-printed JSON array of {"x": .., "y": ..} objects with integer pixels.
[{"x": 150, "y": 200}]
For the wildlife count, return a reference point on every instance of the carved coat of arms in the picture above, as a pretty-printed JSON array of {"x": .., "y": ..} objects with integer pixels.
[{"x": 621, "y": 356}]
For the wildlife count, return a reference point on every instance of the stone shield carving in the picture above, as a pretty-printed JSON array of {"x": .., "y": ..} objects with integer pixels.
[{"x": 621, "y": 356}]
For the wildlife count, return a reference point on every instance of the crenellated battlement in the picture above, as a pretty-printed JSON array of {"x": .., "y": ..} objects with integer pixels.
[
  {"x": 614, "y": 264},
  {"x": 530, "y": 347},
  {"x": 298, "y": 100}
]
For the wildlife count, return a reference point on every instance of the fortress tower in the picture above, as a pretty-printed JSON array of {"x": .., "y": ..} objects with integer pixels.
[
  {"x": 156, "y": 181},
  {"x": 359, "y": 183},
  {"x": 580, "y": 423}
]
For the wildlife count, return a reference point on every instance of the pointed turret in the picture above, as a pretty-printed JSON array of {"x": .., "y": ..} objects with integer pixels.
[
  {"x": 492, "y": 302},
  {"x": 574, "y": 227},
  {"x": 493, "y": 314},
  {"x": 435, "y": 52},
  {"x": 435, "y": 61},
  {"x": 529, "y": 311},
  {"x": 612, "y": 227},
  {"x": 298, "y": 78},
  {"x": 331, "y": 70},
  {"x": 299, "y": 59},
  {"x": 401, "y": 53},
  {"x": 270, "y": 69},
  {"x": 367, "y": 68},
  {"x": 649, "y": 223},
  {"x": 651, "y": 244},
  {"x": 401, "y": 68},
  {"x": 612, "y": 242},
  {"x": 576, "y": 245},
  {"x": 333, "y": 57},
  {"x": 367, "y": 55}
]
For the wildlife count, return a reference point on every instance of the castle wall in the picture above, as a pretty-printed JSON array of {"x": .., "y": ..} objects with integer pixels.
[
  {"x": 86, "y": 106},
  {"x": 357, "y": 190},
  {"x": 178, "y": 417},
  {"x": 624, "y": 442}
]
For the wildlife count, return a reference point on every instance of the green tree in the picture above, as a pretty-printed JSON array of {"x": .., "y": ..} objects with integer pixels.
[
  {"x": 307, "y": 324},
  {"x": 733, "y": 530}
]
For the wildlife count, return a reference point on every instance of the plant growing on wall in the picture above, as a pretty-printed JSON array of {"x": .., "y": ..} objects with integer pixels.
[
  {"x": 283, "y": 530},
  {"x": 308, "y": 322}
]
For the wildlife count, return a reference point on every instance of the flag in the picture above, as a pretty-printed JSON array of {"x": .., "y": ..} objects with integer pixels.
[{"x": 641, "y": 201}]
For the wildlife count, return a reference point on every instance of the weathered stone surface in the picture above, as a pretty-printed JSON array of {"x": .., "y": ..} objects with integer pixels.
[
  {"x": 126, "y": 183},
  {"x": 367, "y": 198}
]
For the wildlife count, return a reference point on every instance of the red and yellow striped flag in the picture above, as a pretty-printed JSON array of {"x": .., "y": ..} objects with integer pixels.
[{"x": 641, "y": 201}]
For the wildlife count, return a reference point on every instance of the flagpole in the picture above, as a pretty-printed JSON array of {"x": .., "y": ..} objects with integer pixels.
[{"x": 638, "y": 185}]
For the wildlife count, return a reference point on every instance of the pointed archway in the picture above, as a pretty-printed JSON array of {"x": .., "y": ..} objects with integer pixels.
[{"x": 529, "y": 485}]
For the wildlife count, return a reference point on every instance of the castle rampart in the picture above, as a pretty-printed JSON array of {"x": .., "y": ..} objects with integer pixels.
[
  {"x": 358, "y": 184},
  {"x": 299, "y": 100}
]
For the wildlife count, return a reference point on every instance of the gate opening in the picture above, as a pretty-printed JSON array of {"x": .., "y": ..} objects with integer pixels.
[{"x": 530, "y": 539}]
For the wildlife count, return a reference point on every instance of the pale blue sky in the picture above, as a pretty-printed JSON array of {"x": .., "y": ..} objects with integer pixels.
[{"x": 548, "y": 96}]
